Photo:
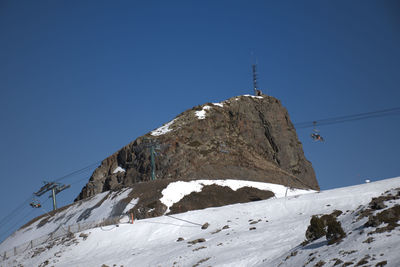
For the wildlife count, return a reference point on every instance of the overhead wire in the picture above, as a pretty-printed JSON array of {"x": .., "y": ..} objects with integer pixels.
[
  {"x": 3, "y": 233},
  {"x": 81, "y": 179},
  {"x": 15, "y": 213},
  {"x": 78, "y": 171},
  {"x": 348, "y": 118},
  {"x": 183, "y": 220},
  {"x": 10, "y": 224},
  {"x": 16, "y": 210}
]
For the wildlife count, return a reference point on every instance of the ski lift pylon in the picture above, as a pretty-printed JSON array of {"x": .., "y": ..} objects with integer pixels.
[{"x": 47, "y": 187}]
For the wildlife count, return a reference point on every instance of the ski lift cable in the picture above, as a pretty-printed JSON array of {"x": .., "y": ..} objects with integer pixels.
[
  {"x": 6, "y": 233},
  {"x": 14, "y": 218},
  {"x": 340, "y": 119},
  {"x": 16, "y": 210},
  {"x": 359, "y": 116},
  {"x": 353, "y": 117},
  {"x": 384, "y": 111},
  {"x": 16, "y": 213},
  {"x": 356, "y": 119},
  {"x": 78, "y": 171},
  {"x": 78, "y": 181}
]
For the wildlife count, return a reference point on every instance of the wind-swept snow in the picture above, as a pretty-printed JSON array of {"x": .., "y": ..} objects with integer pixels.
[{"x": 163, "y": 129}]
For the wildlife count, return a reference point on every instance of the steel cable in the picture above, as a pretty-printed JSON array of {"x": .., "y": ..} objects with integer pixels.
[{"x": 348, "y": 118}]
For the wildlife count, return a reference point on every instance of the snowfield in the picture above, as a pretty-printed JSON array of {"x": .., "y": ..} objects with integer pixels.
[
  {"x": 107, "y": 205},
  {"x": 177, "y": 190},
  {"x": 261, "y": 233}
]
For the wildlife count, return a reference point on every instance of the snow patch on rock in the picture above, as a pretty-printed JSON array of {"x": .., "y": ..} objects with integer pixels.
[
  {"x": 201, "y": 114},
  {"x": 218, "y": 104},
  {"x": 163, "y": 129},
  {"x": 118, "y": 169},
  {"x": 254, "y": 96}
]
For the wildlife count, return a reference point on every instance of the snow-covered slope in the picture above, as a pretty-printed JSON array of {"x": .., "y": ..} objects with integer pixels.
[
  {"x": 93, "y": 210},
  {"x": 114, "y": 206},
  {"x": 262, "y": 233}
]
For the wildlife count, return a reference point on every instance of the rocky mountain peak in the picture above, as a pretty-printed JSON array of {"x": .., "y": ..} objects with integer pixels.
[{"x": 245, "y": 138}]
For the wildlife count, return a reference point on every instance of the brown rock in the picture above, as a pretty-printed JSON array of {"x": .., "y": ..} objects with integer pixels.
[
  {"x": 248, "y": 139},
  {"x": 199, "y": 240},
  {"x": 216, "y": 196},
  {"x": 205, "y": 226}
]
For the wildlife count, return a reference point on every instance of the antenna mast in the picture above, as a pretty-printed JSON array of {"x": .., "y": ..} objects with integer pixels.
[{"x": 255, "y": 87}]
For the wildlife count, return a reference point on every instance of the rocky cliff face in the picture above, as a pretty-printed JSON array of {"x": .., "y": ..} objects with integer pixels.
[{"x": 245, "y": 137}]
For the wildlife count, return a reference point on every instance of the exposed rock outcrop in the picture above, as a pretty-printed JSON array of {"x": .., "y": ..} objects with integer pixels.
[
  {"x": 216, "y": 196},
  {"x": 245, "y": 137}
]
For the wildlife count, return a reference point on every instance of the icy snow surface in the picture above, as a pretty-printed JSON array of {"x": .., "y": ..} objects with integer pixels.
[
  {"x": 119, "y": 169},
  {"x": 177, "y": 190},
  {"x": 163, "y": 129},
  {"x": 278, "y": 228},
  {"x": 279, "y": 224}
]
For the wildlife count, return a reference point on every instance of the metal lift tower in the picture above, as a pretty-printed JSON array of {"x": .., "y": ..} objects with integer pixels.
[
  {"x": 55, "y": 189},
  {"x": 152, "y": 145}
]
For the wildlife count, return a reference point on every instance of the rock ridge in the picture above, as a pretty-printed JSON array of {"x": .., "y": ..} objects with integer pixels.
[{"x": 245, "y": 137}]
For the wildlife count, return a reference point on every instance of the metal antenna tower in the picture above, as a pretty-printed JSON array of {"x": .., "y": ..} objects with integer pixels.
[
  {"x": 55, "y": 189},
  {"x": 255, "y": 87}
]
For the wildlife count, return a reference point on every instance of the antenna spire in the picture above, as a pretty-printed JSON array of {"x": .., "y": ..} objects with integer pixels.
[
  {"x": 255, "y": 87},
  {"x": 257, "y": 92}
]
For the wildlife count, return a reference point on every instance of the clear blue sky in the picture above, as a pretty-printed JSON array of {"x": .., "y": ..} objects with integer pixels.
[{"x": 81, "y": 79}]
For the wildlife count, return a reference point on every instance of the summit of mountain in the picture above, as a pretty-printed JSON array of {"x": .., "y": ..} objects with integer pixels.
[{"x": 245, "y": 138}]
